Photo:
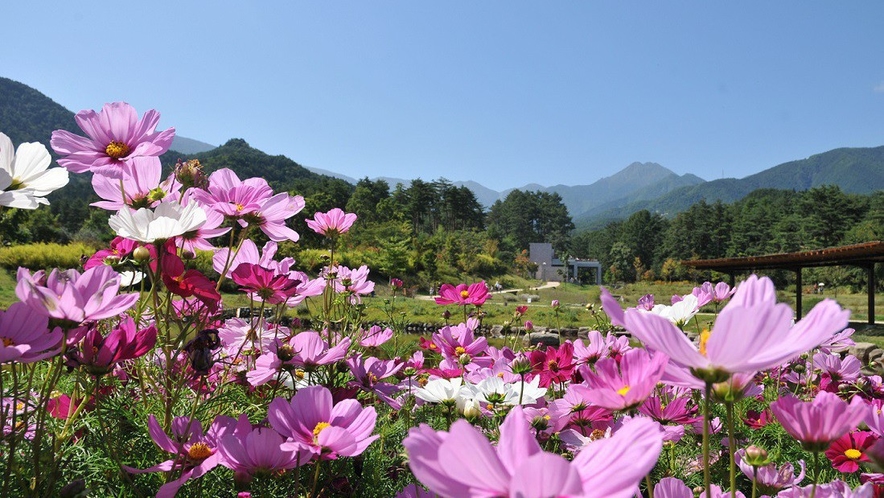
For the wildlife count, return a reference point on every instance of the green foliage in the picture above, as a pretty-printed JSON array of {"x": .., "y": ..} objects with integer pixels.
[
  {"x": 526, "y": 217},
  {"x": 44, "y": 256}
]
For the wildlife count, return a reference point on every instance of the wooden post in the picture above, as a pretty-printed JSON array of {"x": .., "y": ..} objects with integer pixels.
[
  {"x": 871, "y": 285},
  {"x": 798, "y": 291}
]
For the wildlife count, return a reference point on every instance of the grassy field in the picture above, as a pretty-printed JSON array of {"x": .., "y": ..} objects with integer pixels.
[{"x": 500, "y": 307}]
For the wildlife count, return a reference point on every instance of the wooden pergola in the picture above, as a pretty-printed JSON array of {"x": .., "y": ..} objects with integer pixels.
[{"x": 864, "y": 255}]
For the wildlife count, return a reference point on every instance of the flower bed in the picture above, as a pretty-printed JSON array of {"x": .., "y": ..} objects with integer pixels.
[{"x": 125, "y": 377}]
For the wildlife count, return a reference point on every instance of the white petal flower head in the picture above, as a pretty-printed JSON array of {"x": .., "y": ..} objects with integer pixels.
[
  {"x": 440, "y": 390},
  {"x": 168, "y": 220},
  {"x": 679, "y": 313},
  {"x": 25, "y": 175}
]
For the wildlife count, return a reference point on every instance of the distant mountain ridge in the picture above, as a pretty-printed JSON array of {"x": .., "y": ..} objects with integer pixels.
[
  {"x": 26, "y": 115},
  {"x": 855, "y": 170}
]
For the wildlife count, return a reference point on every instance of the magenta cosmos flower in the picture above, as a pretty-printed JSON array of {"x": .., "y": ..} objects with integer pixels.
[
  {"x": 313, "y": 422},
  {"x": 74, "y": 297},
  {"x": 463, "y": 295},
  {"x": 332, "y": 223},
  {"x": 99, "y": 354},
  {"x": 819, "y": 422},
  {"x": 752, "y": 333},
  {"x": 114, "y": 137},
  {"x": 850, "y": 449},
  {"x": 263, "y": 284},
  {"x": 25, "y": 336},
  {"x": 624, "y": 385}
]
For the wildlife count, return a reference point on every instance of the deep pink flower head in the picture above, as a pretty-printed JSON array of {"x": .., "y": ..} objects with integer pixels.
[
  {"x": 752, "y": 333},
  {"x": 462, "y": 295},
  {"x": 819, "y": 422},
  {"x": 25, "y": 336},
  {"x": 74, "y": 297},
  {"x": 263, "y": 284},
  {"x": 627, "y": 384},
  {"x": 332, "y": 223},
  {"x": 115, "y": 136},
  {"x": 556, "y": 365},
  {"x": 311, "y": 421},
  {"x": 99, "y": 354},
  {"x": 846, "y": 452}
]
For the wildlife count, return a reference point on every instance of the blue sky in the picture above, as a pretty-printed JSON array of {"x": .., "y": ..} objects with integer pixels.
[{"x": 503, "y": 93}]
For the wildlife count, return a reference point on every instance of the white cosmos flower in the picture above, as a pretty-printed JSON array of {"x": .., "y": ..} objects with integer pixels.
[
  {"x": 679, "y": 313},
  {"x": 440, "y": 390},
  {"x": 25, "y": 175},
  {"x": 130, "y": 278},
  {"x": 168, "y": 220}
]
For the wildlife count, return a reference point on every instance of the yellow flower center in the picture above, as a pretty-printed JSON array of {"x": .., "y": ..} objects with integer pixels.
[
  {"x": 299, "y": 374},
  {"x": 319, "y": 428},
  {"x": 853, "y": 454},
  {"x": 459, "y": 350},
  {"x": 623, "y": 390},
  {"x": 117, "y": 150},
  {"x": 7, "y": 341},
  {"x": 464, "y": 294},
  {"x": 704, "y": 338},
  {"x": 199, "y": 451}
]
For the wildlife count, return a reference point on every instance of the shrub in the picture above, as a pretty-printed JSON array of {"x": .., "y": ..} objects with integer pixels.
[{"x": 44, "y": 256}]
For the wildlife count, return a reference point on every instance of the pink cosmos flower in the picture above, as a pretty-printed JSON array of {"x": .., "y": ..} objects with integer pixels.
[
  {"x": 354, "y": 283},
  {"x": 314, "y": 423},
  {"x": 677, "y": 409},
  {"x": 556, "y": 365},
  {"x": 769, "y": 478},
  {"x": 752, "y": 333},
  {"x": 249, "y": 450},
  {"x": 375, "y": 336},
  {"x": 458, "y": 340},
  {"x": 248, "y": 253},
  {"x": 819, "y": 422},
  {"x": 25, "y": 336},
  {"x": 115, "y": 136},
  {"x": 264, "y": 285},
  {"x": 367, "y": 373},
  {"x": 99, "y": 354},
  {"x": 120, "y": 248},
  {"x": 463, "y": 295},
  {"x": 332, "y": 223},
  {"x": 194, "y": 453},
  {"x": 846, "y": 452},
  {"x": 462, "y": 462},
  {"x": 141, "y": 187},
  {"x": 306, "y": 350},
  {"x": 74, "y": 297},
  {"x": 232, "y": 197},
  {"x": 273, "y": 212},
  {"x": 625, "y": 385}
]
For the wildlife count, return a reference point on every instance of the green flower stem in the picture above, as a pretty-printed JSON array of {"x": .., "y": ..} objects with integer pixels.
[
  {"x": 707, "y": 408},
  {"x": 731, "y": 446}
]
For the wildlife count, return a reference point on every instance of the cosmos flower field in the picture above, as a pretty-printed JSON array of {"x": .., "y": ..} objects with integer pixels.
[{"x": 125, "y": 377}]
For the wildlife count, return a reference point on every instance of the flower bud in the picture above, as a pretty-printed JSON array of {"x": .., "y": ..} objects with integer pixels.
[
  {"x": 756, "y": 456},
  {"x": 141, "y": 254}
]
